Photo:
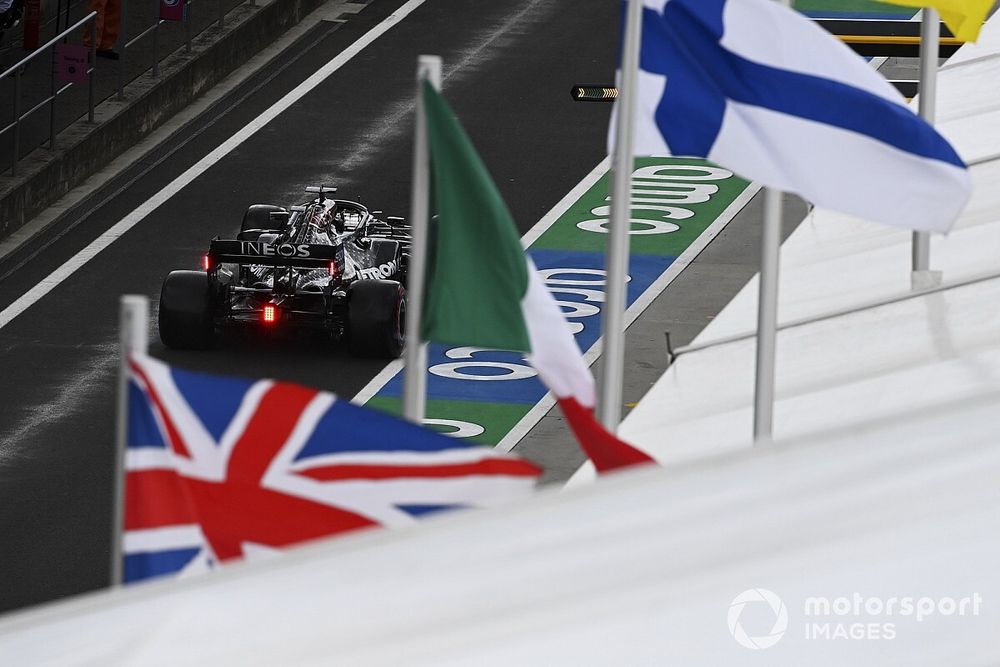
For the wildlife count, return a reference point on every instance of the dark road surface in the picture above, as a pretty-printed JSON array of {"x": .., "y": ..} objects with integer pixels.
[{"x": 508, "y": 67}]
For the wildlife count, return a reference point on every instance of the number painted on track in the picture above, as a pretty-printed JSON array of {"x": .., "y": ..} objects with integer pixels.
[
  {"x": 647, "y": 226},
  {"x": 456, "y": 371},
  {"x": 561, "y": 285},
  {"x": 549, "y": 279},
  {"x": 578, "y": 308},
  {"x": 462, "y": 429}
]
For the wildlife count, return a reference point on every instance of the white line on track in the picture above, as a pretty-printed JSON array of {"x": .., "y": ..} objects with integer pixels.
[{"x": 50, "y": 282}]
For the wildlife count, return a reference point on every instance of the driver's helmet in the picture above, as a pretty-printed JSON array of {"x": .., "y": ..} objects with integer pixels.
[{"x": 324, "y": 218}]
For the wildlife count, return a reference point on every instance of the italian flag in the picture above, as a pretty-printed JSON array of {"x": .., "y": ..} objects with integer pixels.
[{"x": 483, "y": 290}]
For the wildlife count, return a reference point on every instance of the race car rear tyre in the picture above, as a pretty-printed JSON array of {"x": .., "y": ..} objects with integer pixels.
[
  {"x": 186, "y": 311},
  {"x": 376, "y": 319}
]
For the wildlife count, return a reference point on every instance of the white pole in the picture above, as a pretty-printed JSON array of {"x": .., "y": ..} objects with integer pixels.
[
  {"x": 767, "y": 317},
  {"x": 415, "y": 358},
  {"x": 930, "y": 37},
  {"x": 616, "y": 266},
  {"x": 133, "y": 328},
  {"x": 767, "y": 313}
]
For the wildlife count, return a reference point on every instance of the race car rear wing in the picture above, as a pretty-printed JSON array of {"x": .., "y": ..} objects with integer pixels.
[{"x": 304, "y": 255}]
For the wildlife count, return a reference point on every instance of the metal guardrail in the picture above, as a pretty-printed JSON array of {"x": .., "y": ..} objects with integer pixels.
[
  {"x": 155, "y": 31},
  {"x": 17, "y": 70},
  {"x": 673, "y": 354}
]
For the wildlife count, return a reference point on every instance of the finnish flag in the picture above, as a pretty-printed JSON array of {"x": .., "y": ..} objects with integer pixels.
[{"x": 761, "y": 90}]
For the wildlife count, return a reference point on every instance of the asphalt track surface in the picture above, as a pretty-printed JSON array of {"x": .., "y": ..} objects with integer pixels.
[{"x": 509, "y": 65}]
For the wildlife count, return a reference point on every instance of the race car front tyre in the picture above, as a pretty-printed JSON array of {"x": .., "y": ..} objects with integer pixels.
[
  {"x": 376, "y": 319},
  {"x": 186, "y": 311}
]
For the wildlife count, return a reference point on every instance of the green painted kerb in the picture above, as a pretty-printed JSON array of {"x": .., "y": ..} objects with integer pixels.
[
  {"x": 852, "y": 7},
  {"x": 498, "y": 419},
  {"x": 675, "y": 199},
  {"x": 682, "y": 195}
]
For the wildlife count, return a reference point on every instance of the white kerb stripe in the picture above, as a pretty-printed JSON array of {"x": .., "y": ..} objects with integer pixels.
[{"x": 47, "y": 284}]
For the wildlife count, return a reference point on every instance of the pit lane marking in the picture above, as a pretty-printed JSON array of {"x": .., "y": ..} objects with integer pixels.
[
  {"x": 55, "y": 278},
  {"x": 633, "y": 312},
  {"x": 657, "y": 282},
  {"x": 529, "y": 237}
]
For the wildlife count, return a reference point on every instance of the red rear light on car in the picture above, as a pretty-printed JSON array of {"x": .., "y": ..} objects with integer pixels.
[
  {"x": 270, "y": 313},
  {"x": 206, "y": 262},
  {"x": 333, "y": 268}
]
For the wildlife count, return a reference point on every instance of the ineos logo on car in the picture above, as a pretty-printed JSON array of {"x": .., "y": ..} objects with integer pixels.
[{"x": 254, "y": 249}]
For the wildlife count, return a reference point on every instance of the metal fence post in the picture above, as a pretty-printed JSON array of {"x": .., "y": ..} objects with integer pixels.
[
  {"x": 17, "y": 71},
  {"x": 17, "y": 121},
  {"x": 187, "y": 26},
  {"x": 124, "y": 54},
  {"x": 93, "y": 69},
  {"x": 156, "y": 38},
  {"x": 52, "y": 104}
]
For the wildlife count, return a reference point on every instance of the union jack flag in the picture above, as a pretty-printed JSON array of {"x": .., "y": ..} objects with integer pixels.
[{"x": 219, "y": 468}]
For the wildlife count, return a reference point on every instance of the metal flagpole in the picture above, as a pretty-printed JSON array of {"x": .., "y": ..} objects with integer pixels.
[
  {"x": 930, "y": 37},
  {"x": 767, "y": 313},
  {"x": 415, "y": 358},
  {"x": 610, "y": 404},
  {"x": 767, "y": 317},
  {"x": 133, "y": 327}
]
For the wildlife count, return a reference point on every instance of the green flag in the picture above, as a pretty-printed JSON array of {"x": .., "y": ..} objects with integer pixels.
[
  {"x": 478, "y": 275},
  {"x": 482, "y": 290}
]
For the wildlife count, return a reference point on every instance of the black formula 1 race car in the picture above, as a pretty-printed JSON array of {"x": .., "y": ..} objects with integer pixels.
[{"x": 329, "y": 265}]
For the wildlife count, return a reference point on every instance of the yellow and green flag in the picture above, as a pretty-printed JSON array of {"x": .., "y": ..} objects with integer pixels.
[{"x": 963, "y": 17}]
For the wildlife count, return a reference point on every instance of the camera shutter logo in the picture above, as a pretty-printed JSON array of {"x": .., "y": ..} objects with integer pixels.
[{"x": 777, "y": 607}]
